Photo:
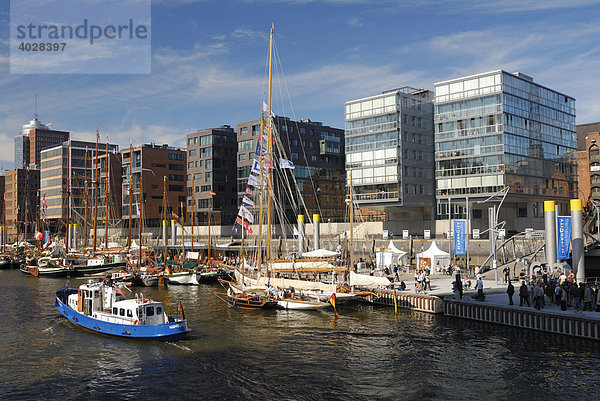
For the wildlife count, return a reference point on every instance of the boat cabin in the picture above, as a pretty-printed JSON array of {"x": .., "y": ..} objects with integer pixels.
[{"x": 104, "y": 302}]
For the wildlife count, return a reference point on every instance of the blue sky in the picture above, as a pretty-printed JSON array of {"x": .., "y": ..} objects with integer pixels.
[{"x": 208, "y": 62}]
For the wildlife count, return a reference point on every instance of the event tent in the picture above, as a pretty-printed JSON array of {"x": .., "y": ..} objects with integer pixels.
[
  {"x": 434, "y": 258},
  {"x": 386, "y": 257}
]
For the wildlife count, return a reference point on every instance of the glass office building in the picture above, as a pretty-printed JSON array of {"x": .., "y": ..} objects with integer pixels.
[
  {"x": 499, "y": 129},
  {"x": 389, "y": 150}
]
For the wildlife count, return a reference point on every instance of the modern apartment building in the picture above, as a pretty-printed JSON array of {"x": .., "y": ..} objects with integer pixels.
[
  {"x": 34, "y": 138},
  {"x": 495, "y": 130},
  {"x": 70, "y": 162},
  {"x": 389, "y": 152},
  {"x": 156, "y": 166},
  {"x": 588, "y": 163},
  {"x": 317, "y": 180},
  {"x": 211, "y": 166},
  {"x": 21, "y": 202}
]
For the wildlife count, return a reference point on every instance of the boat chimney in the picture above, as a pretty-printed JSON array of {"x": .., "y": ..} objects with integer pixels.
[
  {"x": 317, "y": 231},
  {"x": 300, "y": 234},
  {"x": 173, "y": 232}
]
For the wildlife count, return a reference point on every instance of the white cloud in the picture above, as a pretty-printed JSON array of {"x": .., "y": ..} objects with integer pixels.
[
  {"x": 246, "y": 33},
  {"x": 355, "y": 22}
]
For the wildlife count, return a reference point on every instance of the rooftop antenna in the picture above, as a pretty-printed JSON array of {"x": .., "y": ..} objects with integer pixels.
[{"x": 35, "y": 115}]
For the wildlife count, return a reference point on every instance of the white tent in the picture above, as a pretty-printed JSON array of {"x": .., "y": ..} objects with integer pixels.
[
  {"x": 434, "y": 258},
  {"x": 386, "y": 257},
  {"x": 320, "y": 253}
]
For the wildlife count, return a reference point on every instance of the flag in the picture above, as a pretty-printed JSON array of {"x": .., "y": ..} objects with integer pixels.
[
  {"x": 174, "y": 216},
  {"x": 180, "y": 309},
  {"x": 249, "y": 191},
  {"x": 332, "y": 302},
  {"x": 244, "y": 224},
  {"x": 267, "y": 163},
  {"x": 256, "y": 167},
  {"x": 212, "y": 193},
  {"x": 265, "y": 107},
  {"x": 97, "y": 134},
  {"x": 234, "y": 229},
  {"x": 247, "y": 201},
  {"x": 245, "y": 214},
  {"x": 167, "y": 270},
  {"x": 247, "y": 227},
  {"x": 296, "y": 233},
  {"x": 253, "y": 181},
  {"x": 283, "y": 163}
]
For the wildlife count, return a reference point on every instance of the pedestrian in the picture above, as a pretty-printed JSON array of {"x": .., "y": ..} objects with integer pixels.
[
  {"x": 510, "y": 290},
  {"x": 557, "y": 292},
  {"x": 396, "y": 276},
  {"x": 576, "y": 293},
  {"x": 537, "y": 295},
  {"x": 479, "y": 288},
  {"x": 564, "y": 297},
  {"x": 427, "y": 281},
  {"x": 459, "y": 285},
  {"x": 588, "y": 297},
  {"x": 524, "y": 294},
  {"x": 506, "y": 272}
]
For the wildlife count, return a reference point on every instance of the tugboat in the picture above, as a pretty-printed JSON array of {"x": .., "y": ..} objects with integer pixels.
[{"x": 101, "y": 307}]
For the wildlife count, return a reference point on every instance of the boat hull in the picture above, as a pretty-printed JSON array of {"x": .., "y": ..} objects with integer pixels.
[
  {"x": 300, "y": 304},
  {"x": 162, "y": 332},
  {"x": 182, "y": 278}
]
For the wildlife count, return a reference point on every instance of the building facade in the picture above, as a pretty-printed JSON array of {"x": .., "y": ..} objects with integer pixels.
[
  {"x": 389, "y": 152},
  {"x": 152, "y": 167},
  {"x": 211, "y": 166},
  {"x": 34, "y": 138},
  {"x": 496, "y": 130},
  {"x": 71, "y": 162},
  {"x": 316, "y": 150},
  {"x": 21, "y": 203},
  {"x": 588, "y": 163}
]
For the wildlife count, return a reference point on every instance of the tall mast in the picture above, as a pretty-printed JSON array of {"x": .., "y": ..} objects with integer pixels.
[
  {"x": 96, "y": 169},
  {"x": 68, "y": 194},
  {"x": 182, "y": 225},
  {"x": 130, "y": 182},
  {"x": 351, "y": 225},
  {"x": 269, "y": 147},
  {"x": 209, "y": 202},
  {"x": 25, "y": 221},
  {"x": 85, "y": 202},
  {"x": 165, "y": 217},
  {"x": 193, "y": 206},
  {"x": 141, "y": 209},
  {"x": 106, "y": 191}
]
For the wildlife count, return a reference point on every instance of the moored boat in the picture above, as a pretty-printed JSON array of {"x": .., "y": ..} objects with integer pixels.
[{"x": 103, "y": 308}]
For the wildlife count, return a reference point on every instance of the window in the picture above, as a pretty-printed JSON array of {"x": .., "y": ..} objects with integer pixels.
[
  {"x": 158, "y": 310},
  {"x": 159, "y": 165},
  {"x": 190, "y": 141},
  {"x": 243, "y": 131},
  {"x": 176, "y": 156},
  {"x": 192, "y": 152},
  {"x": 115, "y": 311},
  {"x": 176, "y": 188},
  {"x": 129, "y": 313},
  {"x": 302, "y": 130},
  {"x": 242, "y": 156},
  {"x": 149, "y": 310},
  {"x": 176, "y": 167},
  {"x": 190, "y": 164},
  {"x": 122, "y": 312}
]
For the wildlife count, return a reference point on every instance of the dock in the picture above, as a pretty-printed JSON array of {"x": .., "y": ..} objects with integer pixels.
[{"x": 494, "y": 309}]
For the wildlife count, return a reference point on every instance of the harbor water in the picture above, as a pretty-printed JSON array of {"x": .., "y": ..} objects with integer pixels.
[{"x": 365, "y": 353}]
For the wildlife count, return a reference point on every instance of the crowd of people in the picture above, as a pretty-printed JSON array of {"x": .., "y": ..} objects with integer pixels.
[{"x": 559, "y": 289}]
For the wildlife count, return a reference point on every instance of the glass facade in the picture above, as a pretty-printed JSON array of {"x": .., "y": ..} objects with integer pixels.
[
  {"x": 389, "y": 147},
  {"x": 500, "y": 129}
]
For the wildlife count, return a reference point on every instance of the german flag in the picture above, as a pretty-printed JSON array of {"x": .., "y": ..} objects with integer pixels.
[
  {"x": 212, "y": 193},
  {"x": 332, "y": 302}
]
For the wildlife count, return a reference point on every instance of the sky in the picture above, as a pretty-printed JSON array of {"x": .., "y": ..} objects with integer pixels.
[{"x": 208, "y": 63}]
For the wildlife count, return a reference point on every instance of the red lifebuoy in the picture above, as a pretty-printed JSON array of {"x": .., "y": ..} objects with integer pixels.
[{"x": 136, "y": 322}]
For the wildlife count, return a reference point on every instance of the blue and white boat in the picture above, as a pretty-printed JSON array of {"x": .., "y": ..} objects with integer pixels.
[{"x": 103, "y": 308}]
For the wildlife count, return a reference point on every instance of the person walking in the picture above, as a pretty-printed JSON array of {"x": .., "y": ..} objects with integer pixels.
[
  {"x": 396, "y": 277},
  {"x": 564, "y": 297},
  {"x": 537, "y": 295},
  {"x": 524, "y": 294},
  {"x": 576, "y": 293},
  {"x": 510, "y": 290},
  {"x": 459, "y": 285},
  {"x": 506, "y": 272},
  {"x": 588, "y": 297},
  {"x": 427, "y": 281},
  {"x": 479, "y": 288}
]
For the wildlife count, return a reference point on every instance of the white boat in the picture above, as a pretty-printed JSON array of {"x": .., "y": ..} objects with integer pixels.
[{"x": 186, "y": 277}]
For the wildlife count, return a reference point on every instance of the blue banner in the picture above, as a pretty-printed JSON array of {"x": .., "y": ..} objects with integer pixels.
[
  {"x": 563, "y": 237},
  {"x": 459, "y": 237}
]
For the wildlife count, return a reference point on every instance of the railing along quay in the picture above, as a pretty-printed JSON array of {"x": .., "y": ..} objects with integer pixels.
[
  {"x": 577, "y": 326},
  {"x": 420, "y": 302}
]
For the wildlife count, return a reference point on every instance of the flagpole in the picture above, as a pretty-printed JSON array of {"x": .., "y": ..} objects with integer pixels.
[{"x": 209, "y": 202}]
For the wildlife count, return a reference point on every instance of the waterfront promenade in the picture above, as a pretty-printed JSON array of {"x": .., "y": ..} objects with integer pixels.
[{"x": 495, "y": 294}]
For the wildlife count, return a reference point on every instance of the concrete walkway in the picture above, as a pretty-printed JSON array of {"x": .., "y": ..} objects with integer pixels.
[{"x": 495, "y": 294}]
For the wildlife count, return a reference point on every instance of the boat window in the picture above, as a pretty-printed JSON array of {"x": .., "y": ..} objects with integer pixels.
[
  {"x": 96, "y": 294},
  {"x": 158, "y": 310},
  {"x": 122, "y": 312},
  {"x": 129, "y": 313},
  {"x": 149, "y": 310},
  {"x": 115, "y": 311}
]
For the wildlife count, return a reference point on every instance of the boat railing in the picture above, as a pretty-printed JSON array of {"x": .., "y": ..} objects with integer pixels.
[{"x": 110, "y": 318}]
